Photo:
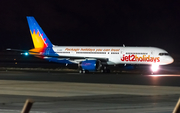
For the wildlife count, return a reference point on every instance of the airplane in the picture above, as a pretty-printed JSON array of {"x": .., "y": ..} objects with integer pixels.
[{"x": 94, "y": 58}]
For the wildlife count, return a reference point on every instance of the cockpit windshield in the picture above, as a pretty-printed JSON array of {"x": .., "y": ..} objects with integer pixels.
[{"x": 163, "y": 54}]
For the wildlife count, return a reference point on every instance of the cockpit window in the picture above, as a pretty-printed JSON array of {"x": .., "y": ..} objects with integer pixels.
[{"x": 163, "y": 54}]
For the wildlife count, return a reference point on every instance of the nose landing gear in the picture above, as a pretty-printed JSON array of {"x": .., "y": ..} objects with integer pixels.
[{"x": 154, "y": 68}]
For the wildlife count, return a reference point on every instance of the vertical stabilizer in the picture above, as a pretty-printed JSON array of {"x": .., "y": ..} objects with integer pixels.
[{"x": 39, "y": 38}]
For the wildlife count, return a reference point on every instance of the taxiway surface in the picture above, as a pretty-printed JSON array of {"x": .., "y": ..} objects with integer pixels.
[{"x": 93, "y": 93}]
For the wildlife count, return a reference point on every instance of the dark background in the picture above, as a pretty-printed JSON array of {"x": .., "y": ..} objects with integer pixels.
[{"x": 93, "y": 23}]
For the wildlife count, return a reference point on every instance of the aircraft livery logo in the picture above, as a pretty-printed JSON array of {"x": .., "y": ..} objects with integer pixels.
[
  {"x": 144, "y": 58},
  {"x": 38, "y": 40}
]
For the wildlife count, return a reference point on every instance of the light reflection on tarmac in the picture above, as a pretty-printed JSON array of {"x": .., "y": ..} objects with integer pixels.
[{"x": 164, "y": 75}]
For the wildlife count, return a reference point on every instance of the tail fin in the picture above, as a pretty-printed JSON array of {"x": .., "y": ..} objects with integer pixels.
[{"x": 39, "y": 38}]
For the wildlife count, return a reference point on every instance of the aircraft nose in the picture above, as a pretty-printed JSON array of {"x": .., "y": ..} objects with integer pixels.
[{"x": 170, "y": 60}]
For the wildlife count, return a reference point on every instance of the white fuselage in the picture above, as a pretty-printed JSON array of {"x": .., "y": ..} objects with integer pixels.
[{"x": 117, "y": 55}]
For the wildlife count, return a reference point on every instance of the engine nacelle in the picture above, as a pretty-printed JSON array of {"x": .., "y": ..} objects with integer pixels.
[{"x": 90, "y": 65}]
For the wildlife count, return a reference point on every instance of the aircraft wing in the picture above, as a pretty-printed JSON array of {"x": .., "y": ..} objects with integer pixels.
[
  {"x": 73, "y": 59},
  {"x": 76, "y": 60}
]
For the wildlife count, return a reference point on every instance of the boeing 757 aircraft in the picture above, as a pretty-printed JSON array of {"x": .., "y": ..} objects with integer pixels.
[{"x": 94, "y": 58}]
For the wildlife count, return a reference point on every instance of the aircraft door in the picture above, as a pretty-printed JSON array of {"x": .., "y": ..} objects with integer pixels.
[
  {"x": 152, "y": 53},
  {"x": 121, "y": 53}
]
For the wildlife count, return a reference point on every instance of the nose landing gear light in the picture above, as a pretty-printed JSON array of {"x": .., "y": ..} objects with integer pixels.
[{"x": 154, "y": 68}]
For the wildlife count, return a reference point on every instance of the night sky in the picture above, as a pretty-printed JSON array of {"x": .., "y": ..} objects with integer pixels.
[{"x": 93, "y": 23}]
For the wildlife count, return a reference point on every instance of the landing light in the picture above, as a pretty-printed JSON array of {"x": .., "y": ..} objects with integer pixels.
[{"x": 155, "y": 67}]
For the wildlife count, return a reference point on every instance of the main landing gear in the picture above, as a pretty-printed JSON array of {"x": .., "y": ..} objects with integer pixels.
[
  {"x": 83, "y": 71},
  {"x": 104, "y": 69}
]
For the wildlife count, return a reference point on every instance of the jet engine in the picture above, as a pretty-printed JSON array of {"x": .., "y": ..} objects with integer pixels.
[{"x": 89, "y": 65}]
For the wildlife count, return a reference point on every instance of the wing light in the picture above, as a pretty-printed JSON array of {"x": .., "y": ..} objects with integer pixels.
[{"x": 26, "y": 54}]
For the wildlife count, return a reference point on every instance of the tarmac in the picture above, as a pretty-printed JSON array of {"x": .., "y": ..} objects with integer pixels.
[{"x": 55, "y": 92}]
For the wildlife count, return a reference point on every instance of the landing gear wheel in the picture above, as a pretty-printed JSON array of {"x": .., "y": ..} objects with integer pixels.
[
  {"x": 80, "y": 71},
  {"x": 83, "y": 71},
  {"x": 102, "y": 71},
  {"x": 105, "y": 70}
]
